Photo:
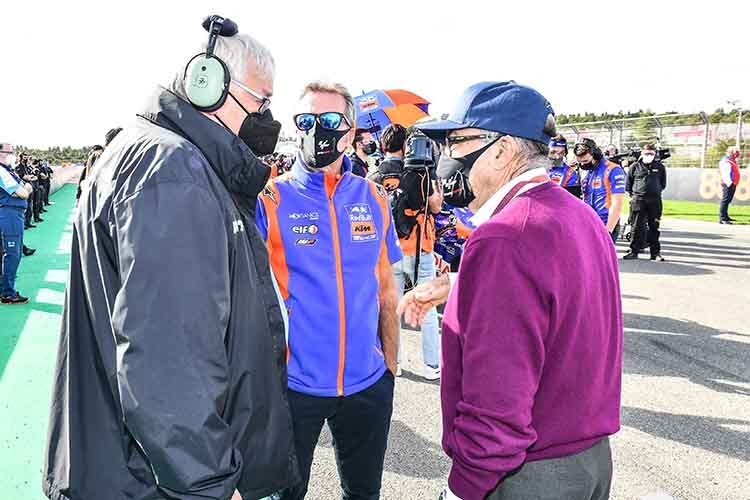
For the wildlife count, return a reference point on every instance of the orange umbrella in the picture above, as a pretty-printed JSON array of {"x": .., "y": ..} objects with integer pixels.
[{"x": 379, "y": 108}]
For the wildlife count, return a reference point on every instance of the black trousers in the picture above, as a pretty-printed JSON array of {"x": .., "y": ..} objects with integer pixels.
[
  {"x": 615, "y": 233},
  {"x": 726, "y": 199},
  {"x": 47, "y": 185},
  {"x": 359, "y": 425},
  {"x": 646, "y": 212},
  {"x": 36, "y": 200}
]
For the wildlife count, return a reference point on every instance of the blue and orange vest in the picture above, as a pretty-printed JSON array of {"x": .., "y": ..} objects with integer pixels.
[
  {"x": 565, "y": 176},
  {"x": 327, "y": 238},
  {"x": 605, "y": 180}
]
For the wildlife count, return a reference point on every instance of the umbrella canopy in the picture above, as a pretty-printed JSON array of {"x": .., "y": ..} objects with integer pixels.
[{"x": 379, "y": 108}]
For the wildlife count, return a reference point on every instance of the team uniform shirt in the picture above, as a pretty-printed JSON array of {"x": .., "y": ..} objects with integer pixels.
[
  {"x": 606, "y": 180},
  {"x": 452, "y": 227},
  {"x": 327, "y": 240},
  {"x": 565, "y": 176},
  {"x": 9, "y": 184}
]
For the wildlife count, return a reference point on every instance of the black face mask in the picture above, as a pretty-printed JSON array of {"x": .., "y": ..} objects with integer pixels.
[
  {"x": 447, "y": 166},
  {"x": 588, "y": 166},
  {"x": 556, "y": 162},
  {"x": 369, "y": 148},
  {"x": 259, "y": 131},
  {"x": 457, "y": 191},
  {"x": 320, "y": 146}
]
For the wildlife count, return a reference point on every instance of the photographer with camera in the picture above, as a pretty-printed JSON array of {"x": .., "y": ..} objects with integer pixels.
[
  {"x": 25, "y": 171},
  {"x": 415, "y": 200},
  {"x": 364, "y": 145},
  {"x": 647, "y": 178}
]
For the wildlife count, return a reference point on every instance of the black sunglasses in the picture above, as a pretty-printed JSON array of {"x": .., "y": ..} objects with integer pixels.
[{"x": 330, "y": 120}]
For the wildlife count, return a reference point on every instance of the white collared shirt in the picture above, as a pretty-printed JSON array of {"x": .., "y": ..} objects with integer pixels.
[{"x": 486, "y": 211}]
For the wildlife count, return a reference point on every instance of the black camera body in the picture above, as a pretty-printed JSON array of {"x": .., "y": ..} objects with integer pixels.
[
  {"x": 419, "y": 152},
  {"x": 634, "y": 154}
]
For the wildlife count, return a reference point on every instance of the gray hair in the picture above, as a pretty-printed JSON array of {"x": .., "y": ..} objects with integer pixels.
[
  {"x": 532, "y": 154},
  {"x": 236, "y": 51},
  {"x": 333, "y": 88}
]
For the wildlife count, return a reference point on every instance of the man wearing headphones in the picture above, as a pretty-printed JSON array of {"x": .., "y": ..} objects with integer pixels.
[
  {"x": 171, "y": 374},
  {"x": 604, "y": 185}
]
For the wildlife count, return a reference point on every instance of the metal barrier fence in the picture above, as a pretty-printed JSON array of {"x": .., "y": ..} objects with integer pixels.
[{"x": 692, "y": 139}]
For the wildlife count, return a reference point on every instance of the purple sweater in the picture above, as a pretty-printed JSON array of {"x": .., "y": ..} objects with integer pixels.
[{"x": 532, "y": 341}]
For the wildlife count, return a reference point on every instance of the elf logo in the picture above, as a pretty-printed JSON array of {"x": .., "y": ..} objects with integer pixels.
[{"x": 309, "y": 229}]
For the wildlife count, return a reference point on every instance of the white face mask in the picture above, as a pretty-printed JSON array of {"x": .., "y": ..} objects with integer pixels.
[{"x": 647, "y": 159}]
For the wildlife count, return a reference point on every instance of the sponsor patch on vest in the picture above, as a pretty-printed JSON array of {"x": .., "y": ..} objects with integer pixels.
[
  {"x": 362, "y": 222},
  {"x": 307, "y": 229},
  {"x": 597, "y": 184},
  {"x": 304, "y": 216},
  {"x": 306, "y": 242}
]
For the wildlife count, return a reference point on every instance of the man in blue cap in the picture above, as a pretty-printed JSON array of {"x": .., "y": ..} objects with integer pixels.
[{"x": 532, "y": 345}]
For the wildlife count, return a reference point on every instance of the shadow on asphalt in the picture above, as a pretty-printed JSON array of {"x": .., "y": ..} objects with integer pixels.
[
  {"x": 705, "y": 248},
  {"x": 408, "y": 454},
  {"x": 701, "y": 432},
  {"x": 692, "y": 236},
  {"x": 634, "y": 297},
  {"x": 645, "y": 266},
  {"x": 700, "y": 356}
]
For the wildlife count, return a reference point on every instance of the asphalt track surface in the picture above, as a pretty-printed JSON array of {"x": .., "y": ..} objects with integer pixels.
[{"x": 686, "y": 394}]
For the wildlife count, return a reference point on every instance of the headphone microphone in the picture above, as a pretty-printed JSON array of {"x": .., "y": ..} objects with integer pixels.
[{"x": 221, "y": 26}]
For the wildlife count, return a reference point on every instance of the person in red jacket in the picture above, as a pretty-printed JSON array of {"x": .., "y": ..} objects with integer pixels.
[{"x": 730, "y": 178}]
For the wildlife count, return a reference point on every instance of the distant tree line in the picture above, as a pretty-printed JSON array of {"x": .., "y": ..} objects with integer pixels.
[
  {"x": 58, "y": 155},
  {"x": 718, "y": 116}
]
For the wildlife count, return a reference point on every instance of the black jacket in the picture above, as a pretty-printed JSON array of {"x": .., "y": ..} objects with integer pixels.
[
  {"x": 171, "y": 374},
  {"x": 359, "y": 167},
  {"x": 646, "y": 181}
]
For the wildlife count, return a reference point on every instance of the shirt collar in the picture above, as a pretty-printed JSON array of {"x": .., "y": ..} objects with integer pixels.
[
  {"x": 316, "y": 178},
  {"x": 489, "y": 207}
]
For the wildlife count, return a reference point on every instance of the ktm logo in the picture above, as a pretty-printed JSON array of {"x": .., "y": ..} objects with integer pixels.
[{"x": 363, "y": 228}]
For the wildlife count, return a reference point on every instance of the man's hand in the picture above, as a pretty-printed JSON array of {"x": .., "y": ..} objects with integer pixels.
[{"x": 415, "y": 304}]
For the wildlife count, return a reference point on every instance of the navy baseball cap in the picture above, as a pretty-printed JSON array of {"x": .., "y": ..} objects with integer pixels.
[{"x": 504, "y": 107}]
